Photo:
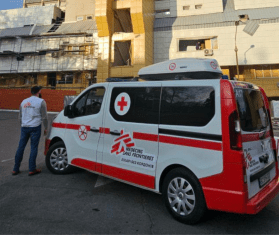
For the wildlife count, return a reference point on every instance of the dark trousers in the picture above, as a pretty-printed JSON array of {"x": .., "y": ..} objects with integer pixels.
[{"x": 34, "y": 133}]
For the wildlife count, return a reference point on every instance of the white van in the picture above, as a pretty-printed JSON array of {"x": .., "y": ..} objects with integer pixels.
[{"x": 201, "y": 141}]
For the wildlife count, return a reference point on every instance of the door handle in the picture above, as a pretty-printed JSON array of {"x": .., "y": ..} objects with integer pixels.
[
  {"x": 115, "y": 132},
  {"x": 94, "y": 129}
]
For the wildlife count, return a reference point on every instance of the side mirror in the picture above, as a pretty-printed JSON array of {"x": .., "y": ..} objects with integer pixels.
[{"x": 68, "y": 111}]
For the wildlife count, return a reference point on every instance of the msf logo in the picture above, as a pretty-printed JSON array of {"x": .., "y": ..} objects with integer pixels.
[{"x": 121, "y": 143}]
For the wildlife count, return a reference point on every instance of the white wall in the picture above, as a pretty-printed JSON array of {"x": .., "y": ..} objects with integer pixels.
[
  {"x": 42, "y": 63},
  {"x": 176, "y": 7},
  {"x": 249, "y": 4},
  {"x": 15, "y": 18},
  {"x": 265, "y": 40}
]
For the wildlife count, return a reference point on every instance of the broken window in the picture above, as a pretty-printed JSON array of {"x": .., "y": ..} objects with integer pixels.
[
  {"x": 122, "y": 53},
  {"x": 198, "y": 44},
  {"x": 123, "y": 21},
  {"x": 198, "y": 6}
]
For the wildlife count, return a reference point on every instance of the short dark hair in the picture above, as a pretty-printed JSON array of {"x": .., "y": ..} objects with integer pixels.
[{"x": 35, "y": 89}]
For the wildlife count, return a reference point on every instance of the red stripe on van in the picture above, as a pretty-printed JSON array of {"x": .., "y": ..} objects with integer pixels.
[
  {"x": 130, "y": 176},
  {"x": 86, "y": 164},
  {"x": 190, "y": 142},
  {"x": 115, "y": 172},
  {"x": 59, "y": 125},
  {"x": 144, "y": 136},
  {"x": 253, "y": 137},
  {"x": 69, "y": 126},
  {"x": 104, "y": 130}
]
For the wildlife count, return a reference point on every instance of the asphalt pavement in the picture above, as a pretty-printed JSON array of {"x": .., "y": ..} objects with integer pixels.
[{"x": 85, "y": 203}]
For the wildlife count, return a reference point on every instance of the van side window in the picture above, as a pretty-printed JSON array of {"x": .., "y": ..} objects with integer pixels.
[
  {"x": 90, "y": 103},
  {"x": 187, "y": 106},
  {"x": 144, "y": 104}
]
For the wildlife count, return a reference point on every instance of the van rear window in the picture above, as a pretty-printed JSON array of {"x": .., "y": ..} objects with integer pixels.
[{"x": 252, "y": 112}]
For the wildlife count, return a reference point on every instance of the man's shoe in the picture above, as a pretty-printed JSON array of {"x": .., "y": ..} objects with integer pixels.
[
  {"x": 15, "y": 172},
  {"x": 34, "y": 172}
]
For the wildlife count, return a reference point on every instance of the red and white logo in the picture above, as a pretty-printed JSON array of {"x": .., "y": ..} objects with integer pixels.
[
  {"x": 120, "y": 144},
  {"x": 122, "y": 104},
  {"x": 28, "y": 104},
  {"x": 213, "y": 64},
  {"x": 82, "y": 133},
  {"x": 172, "y": 66}
]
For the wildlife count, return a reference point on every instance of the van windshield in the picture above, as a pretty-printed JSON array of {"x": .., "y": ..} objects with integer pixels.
[{"x": 251, "y": 109}]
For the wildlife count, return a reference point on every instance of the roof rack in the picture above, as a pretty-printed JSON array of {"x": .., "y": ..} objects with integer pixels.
[{"x": 122, "y": 79}]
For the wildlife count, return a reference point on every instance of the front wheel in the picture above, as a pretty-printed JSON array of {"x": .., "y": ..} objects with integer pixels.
[
  {"x": 183, "y": 196},
  {"x": 57, "y": 159}
]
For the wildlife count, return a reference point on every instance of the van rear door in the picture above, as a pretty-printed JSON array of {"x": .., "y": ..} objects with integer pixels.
[{"x": 256, "y": 138}]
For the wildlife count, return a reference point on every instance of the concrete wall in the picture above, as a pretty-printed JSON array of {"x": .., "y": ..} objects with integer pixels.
[
  {"x": 81, "y": 8},
  {"x": 25, "y": 16},
  {"x": 265, "y": 42},
  {"x": 179, "y": 7},
  {"x": 249, "y": 4}
]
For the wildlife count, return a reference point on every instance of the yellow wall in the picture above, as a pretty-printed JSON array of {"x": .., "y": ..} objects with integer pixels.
[{"x": 142, "y": 17}]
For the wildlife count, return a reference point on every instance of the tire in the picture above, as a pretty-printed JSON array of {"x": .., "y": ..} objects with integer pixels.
[
  {"x": 57, "y": 160},
  {"x": 183, "y": 196}
]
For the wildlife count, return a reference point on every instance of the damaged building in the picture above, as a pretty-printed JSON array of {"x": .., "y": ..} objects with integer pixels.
[{"x": 40, "y": 46}]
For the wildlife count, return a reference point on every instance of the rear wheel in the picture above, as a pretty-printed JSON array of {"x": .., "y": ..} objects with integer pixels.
[
  {"x": 183, "y": 196},
  {"x": 57, "y": 159}
]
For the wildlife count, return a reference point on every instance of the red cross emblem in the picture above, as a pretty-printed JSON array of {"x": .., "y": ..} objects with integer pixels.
[{"x": 122, "y": 103}]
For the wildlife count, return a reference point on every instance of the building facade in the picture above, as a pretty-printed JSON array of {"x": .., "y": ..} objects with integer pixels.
[
  {"x": 46, "y": 50},
  {"x": 219, "y": 28}
]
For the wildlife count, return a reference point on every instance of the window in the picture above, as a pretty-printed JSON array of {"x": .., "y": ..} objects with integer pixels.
[
  {"x": 94, "y": 101},
  {"x": 79, "y": 18},
  {"x": 122, "y": 53},
  {"x": 90, "y": 103},
  {"x": 66, "y": 79},
  {"x": 123, "y": 21},
  {"x": 252, "y": 112},
  {"x": 187, "y": 106},
  {"x": 163, "y": 11},
  {"x": 51, "y": 79},
  {"x": 89, "y": 17},
  {"x": 144, "y": 104},
  {"x": 198, "y": 6},
  {"x": 198, "y": 44},
  {"x": 186, "y": 8}
]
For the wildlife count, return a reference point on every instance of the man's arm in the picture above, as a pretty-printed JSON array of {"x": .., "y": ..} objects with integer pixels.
[{"x": 44, "y": 115}]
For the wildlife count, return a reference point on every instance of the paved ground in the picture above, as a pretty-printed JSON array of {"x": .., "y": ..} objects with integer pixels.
[{"x": 83, "y": 203}]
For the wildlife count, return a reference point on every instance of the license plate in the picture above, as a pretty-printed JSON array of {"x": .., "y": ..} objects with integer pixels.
[{"x": 264, "y": 179}]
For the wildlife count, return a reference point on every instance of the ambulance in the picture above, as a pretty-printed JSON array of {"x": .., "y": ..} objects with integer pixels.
[{"x": 182, "y": 131}]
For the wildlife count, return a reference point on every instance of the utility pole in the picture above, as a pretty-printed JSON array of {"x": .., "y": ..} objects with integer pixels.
[{"x": 236, "y": 49}]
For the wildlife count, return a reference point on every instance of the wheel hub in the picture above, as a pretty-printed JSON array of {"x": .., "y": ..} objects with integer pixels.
[{"x": 180, "y": 195}]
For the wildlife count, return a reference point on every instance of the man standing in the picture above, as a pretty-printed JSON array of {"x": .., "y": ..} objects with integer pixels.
[{"x": 32, "y": 113}]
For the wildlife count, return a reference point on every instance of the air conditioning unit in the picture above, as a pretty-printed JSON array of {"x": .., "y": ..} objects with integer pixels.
[
  {"x": 208, "y": 52},
  {"x": 55, "y": 54}
]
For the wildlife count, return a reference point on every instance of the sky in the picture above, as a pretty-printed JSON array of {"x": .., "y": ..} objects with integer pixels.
[{"x": 10, "y": 4}]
